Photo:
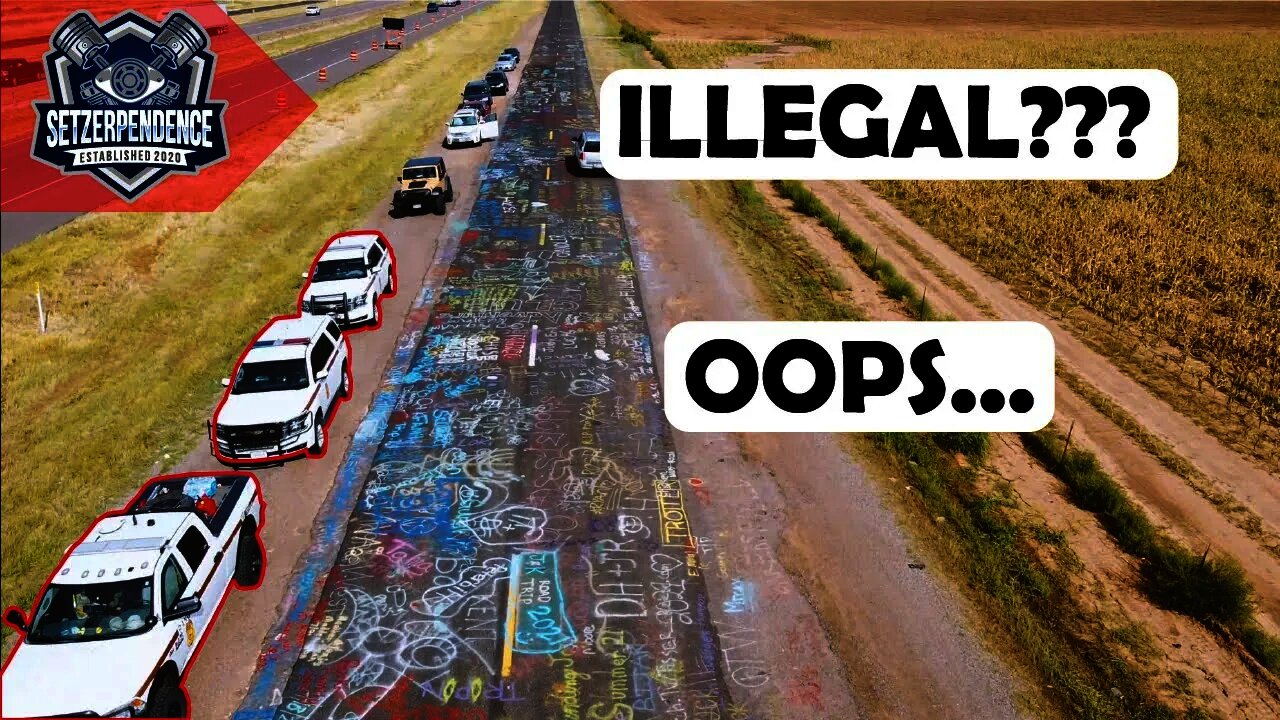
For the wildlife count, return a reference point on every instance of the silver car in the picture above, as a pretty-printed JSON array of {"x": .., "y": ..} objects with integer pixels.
[
  {"x": 506, "y": 63},
  {"x": 586, "y": 150}
]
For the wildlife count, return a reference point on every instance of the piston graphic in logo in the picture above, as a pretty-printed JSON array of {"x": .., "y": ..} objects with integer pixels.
[{"x": 129, "y": 101}]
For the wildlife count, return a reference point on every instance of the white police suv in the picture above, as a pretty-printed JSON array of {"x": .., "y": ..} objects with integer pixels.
[
  {"x": 117, "y": 625},
  {"x": 286, "y": 386},
  {"x": 349, "y": 278}
]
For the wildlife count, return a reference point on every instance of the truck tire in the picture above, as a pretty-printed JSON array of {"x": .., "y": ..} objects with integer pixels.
[
  {"x": 448, "y": 189},
  {"x": 166, "y": 699},
  {"x": 248, "y": 557},
  {"x": 344, "y": 390},
  {"x": 390, "y": 287},
  {"x": 318, "y": 439},
  {"x": 375, "y": 317}
]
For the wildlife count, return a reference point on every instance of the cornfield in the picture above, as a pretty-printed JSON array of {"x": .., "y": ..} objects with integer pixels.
[{"x": 1191, "y": 263}]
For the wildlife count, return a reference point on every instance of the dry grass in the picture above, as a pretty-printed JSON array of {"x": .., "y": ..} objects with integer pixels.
[
  {"x": 149, "y": 310},
  {"x": 753, "y": 20}
]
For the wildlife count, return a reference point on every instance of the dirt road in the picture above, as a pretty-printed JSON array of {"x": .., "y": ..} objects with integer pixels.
[
  {"x": 790, "y": 522},
  {"x": 1170, "y": 500}
]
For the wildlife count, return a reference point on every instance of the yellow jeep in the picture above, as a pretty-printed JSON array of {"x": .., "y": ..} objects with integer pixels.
[{"x": 424, "y": 183}]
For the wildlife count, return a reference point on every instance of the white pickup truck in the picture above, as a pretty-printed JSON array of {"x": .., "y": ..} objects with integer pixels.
[{"x": 117, "y": 625}]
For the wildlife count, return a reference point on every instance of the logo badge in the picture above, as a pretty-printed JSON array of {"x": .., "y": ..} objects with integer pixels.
[
  {"x": 191, "y": 633},
  {"x": 129, "y": 101}
]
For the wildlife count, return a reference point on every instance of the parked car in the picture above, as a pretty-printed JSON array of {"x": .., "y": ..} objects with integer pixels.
[
  {"x": 19, "y": 71},
  {"x": 313, "y": 9},
  {"x": 424, "y": 183},
  {"x": 586, "y": 150},
  {"x": 505, "y": 63},
  {"x": 497, "y": 82},
  {"x": 513, "y": 52},
  {"x": 468, "y": 126},
  {"x": 349, "y": 278},
  {"x": 477, "y": 95},
  {"x": 433, "y": 7},
  {"x": 286, "y": 387},
  {"x": 452, "y": 3},
  {"x": 116, "y": 626}
]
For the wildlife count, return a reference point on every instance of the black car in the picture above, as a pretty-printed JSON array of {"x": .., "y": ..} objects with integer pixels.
[
  {"x": 478, "y": 95},
  {"x": 433, "y": 7},
  {"x": 497, "y": 82},
  {"x": 513, "y": 52},
  {"x": 18, "y": 71}
]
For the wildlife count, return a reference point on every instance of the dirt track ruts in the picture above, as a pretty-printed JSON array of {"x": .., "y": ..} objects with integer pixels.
[{"x": 1191, "y": 517}]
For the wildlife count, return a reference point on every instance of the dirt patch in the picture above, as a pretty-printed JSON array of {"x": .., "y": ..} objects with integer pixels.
[
  {"x": 762, "y": 59},
  {"x": 747, "y": 20}
]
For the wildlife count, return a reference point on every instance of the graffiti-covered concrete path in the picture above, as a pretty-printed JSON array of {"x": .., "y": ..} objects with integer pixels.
[{"x": 520, "y": 547}]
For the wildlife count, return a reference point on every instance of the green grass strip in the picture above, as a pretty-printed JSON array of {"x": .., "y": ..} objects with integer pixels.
[{"x": 1213, "y": 590}]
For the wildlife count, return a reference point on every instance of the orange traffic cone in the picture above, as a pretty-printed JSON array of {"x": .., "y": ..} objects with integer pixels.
[
  {"x": 402, "y": 35},
  {"x": 417, "y": 25},
  {"x": 373, "y": 44},
  {"x": 324, "y": 75},
  {"x": 353, "y": 56},
  {"x": 281, "y": 101}
]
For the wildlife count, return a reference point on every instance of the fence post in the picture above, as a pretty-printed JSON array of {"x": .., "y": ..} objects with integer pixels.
[
  {"x": 923, "y": 294},
  {"x": 1067, "y": 444},
  {"x": 40, "y": 309}
]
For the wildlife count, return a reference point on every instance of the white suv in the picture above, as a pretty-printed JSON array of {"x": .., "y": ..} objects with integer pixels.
[
  {"x": 286, "y": 386},
  {"x": 468, "y": 126},
  {"x": 117, "y": 625},
  {"x": 586, "y": 150},
  {"x": 349, "y": 278}
]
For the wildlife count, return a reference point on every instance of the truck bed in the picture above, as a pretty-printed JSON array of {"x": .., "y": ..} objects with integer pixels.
[{"x": 167, "y": 496}]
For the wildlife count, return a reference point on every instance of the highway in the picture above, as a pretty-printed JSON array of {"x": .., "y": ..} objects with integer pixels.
[
  {"x": 300, "y": 18},
  {"x": 519, "y": 547},
  {"x": 255, "y": 103}
]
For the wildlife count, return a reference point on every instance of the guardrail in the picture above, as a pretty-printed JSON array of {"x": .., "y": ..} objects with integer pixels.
[{"x": 274, "y": 6}]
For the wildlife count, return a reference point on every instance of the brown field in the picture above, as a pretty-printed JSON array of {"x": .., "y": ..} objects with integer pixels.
[
  {"x": 1188, "y": 265},
  {"x": 754, "y": 20}
]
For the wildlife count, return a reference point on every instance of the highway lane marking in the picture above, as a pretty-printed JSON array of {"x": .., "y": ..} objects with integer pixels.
[
  {"x": 513, "y": 595},
  {"x": 542, "y": 232},
  {"x": 548, "y": 172}
]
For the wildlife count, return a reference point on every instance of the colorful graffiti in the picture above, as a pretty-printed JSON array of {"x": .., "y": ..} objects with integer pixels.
[{"x": 520, "y": 547}]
